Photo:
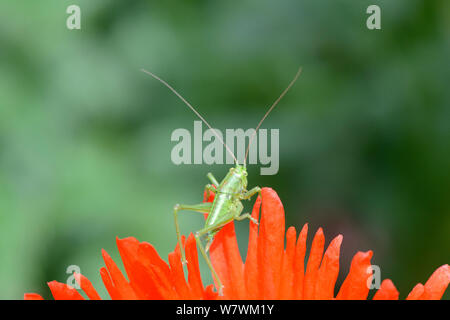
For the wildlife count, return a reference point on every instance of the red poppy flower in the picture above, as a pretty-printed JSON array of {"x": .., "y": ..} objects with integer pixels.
[{"x": 273, "y": 269}]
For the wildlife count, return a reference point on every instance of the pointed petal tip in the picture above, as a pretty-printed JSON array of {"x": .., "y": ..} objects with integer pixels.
[
  {"x": 105, "y": 254},
  {"x": 387, "y": 291},
  {"x": 416, "y": 292},
  {"x": 304, "y": 228},
  {"x": 338, "y": 239},
  {"x": 437, "y": 284},
  {"x": 445, "y": 269},
  {"x": 126, "y": 239},
  {"x": 365, "y": 254},
  {"x": 63, "y": 291},
  {"x": 387, "y": 283}
]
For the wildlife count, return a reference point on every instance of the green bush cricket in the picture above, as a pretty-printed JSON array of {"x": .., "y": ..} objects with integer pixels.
[{"x": 229, "y": 193}]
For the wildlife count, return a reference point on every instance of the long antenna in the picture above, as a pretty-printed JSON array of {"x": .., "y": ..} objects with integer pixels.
[
  {"x": 193, "y": 109},
  {"x": 270, "y": 109}
]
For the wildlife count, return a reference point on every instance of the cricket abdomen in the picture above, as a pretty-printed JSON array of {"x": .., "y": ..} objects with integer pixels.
[{"x": 222, "y": 209}]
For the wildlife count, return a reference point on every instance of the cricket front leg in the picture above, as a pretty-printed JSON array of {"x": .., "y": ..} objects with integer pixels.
[
  {"x": 201, "y": 208},
  {"x": 248, "y": 194},
  {"x": 212, "y": 179},
  {"x": 246, "y": 216}
]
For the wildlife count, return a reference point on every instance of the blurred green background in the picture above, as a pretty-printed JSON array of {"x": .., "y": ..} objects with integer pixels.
[{"x": 85, "y": 136}]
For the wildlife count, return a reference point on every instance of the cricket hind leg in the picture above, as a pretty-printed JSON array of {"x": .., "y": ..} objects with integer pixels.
[
  {"x": 201, "y": 208},
  {"x": 209, "y": 241},
  {"x": 208, "y": 262},
  {"x": 202, "y": 249}
]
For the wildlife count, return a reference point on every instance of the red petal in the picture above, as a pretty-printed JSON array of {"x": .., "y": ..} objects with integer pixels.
[
  {"x": 227, "y": 262},
  {"x": 387, "y": 291},
  {"x": 86, "y": 286},
  {"x": 148, "y": 256},
  {"x": 123, "y": 287},
  {"x": 32, "y": 296},
  {"x": 194, "y": 278},
  {"x": 113, "y": 293},
  {"x": 328, "y": 271},
  {"x": 251, "y": 262},
  {"x": 437, "y": 284},
  {"x": 286, "y": 288},
  {"x": 210, "y": 198},
  {"x": 355, "y": 286},
  {"x": 270, "y": 242},
  {"x": 153, "y": 274},
  {"x": 152, "y": 284},
  {"x": 177, "y": 274},
  {"x": 299, "y": 263},
  {"x": 62, "y": 291},
  {"x": 128, "y": 249},
  {"x": 312, "y": 268},
  {"x": 165, "y": 287},
  {"x": 416, "y": 292}
]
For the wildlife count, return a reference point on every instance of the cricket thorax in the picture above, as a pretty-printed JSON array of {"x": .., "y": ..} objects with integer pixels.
[{"x": 235, "y": 181}]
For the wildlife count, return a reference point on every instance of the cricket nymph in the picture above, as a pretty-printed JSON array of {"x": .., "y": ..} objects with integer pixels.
[
  {"x": 225, "y": 208},
  {"x": 228, "y": 196},
  {"x": 229, "y": 193}
]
